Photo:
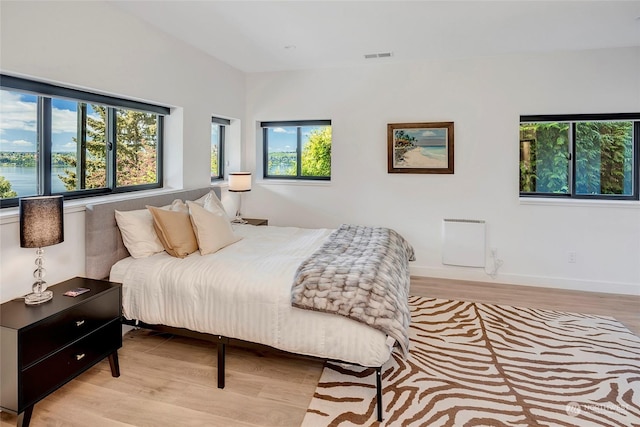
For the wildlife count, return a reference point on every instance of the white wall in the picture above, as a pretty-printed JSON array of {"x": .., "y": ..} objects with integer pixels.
[
  {"x": 484, "y": 98},
  {"x": 94, "y": 45}
]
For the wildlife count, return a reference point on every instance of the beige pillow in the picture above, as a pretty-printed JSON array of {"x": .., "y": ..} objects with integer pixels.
[
  {"x": 175, "y": 231},
  {"x": 212, "y": 203},
  {"x": 138, "y": 233},
  {"x": 212, "y": 229}
]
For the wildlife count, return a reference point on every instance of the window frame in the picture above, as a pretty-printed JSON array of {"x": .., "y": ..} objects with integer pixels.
[
  {"x": 573, "y": 120},
  {"x": 45, "y": 93},
  {"x": 265, "y": 148},
  {"x": 222, "y": 138}
]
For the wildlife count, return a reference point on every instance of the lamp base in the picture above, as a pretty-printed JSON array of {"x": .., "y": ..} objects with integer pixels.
[
  {"x": 239, "y": 220},
  {"x": 38, "y": 298}
]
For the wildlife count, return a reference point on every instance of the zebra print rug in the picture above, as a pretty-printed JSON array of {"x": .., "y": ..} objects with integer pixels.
[{"x": 476, "y": 364}]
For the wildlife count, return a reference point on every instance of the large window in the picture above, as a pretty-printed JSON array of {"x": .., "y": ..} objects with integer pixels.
[
  {"x": 298, "y": 149},
  {"x": 580, "y": 156},
  {"x": 218, "y": 132},
  {"x": 57, "y": 140}
]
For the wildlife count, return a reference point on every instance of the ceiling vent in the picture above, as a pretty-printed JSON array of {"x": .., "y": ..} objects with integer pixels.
[{"x": 378, "y": 55}]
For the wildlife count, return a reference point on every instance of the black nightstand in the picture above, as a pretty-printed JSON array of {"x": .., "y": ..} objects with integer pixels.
[
  {"x": 256, "y": 221},
  {"x": 45, "y": 346}
]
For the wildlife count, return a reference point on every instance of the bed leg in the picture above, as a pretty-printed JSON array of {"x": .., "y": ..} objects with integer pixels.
[
  {"x": 379, "y": 392},
  {"x": 222, "y": 342}
]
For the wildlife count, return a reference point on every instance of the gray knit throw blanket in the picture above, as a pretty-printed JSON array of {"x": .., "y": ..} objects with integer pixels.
[{"x": 361, "y": 273}]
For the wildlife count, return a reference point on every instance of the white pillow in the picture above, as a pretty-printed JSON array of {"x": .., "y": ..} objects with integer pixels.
[
  {"x": 177, "y": 206},
  {"x": 212, "y": 203},
  {"x": 213, "y": 229},
  {"x": 138, "y": 232}
]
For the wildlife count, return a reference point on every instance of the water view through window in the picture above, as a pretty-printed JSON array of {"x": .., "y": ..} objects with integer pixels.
[
  {"x": 78, "y": 135},
  {"x": 298, "y": 150},
  {"x": 282, "y": 152},
  {"x": 19, "y": 142}
]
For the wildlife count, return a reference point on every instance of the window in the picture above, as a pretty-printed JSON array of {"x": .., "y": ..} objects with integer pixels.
[
  {"x": 57, "y": 140},
  {"x": 580, "y": 156},
  {"x": 218, "y": 129},
  {"x": 298, "y": 150}
]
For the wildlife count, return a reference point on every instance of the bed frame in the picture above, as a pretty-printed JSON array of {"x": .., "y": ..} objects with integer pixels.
[{"x": 104, "y": 247}]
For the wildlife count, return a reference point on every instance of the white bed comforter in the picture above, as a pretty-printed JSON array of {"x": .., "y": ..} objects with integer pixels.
[{"x": 244, "y": 291}]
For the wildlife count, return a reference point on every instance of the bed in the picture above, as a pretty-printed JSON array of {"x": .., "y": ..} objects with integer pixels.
[{"x": 251, "y": 300}]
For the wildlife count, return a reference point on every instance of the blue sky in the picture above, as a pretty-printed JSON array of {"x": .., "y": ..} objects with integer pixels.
[
  {"x": 18, "y": 121},
  {"x": 428, "y": 137},
  {"x": 284, "y": 138}
]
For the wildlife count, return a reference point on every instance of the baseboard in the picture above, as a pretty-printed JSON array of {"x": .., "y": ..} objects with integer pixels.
[{"x": 479, "y": 275}]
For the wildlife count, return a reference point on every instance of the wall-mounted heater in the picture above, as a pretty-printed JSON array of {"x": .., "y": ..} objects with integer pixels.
[{"x": 463, "y": 242}]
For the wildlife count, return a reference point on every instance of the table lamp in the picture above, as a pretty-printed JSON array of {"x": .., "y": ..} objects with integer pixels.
[
  {"x": 239, "y": 182},
  {"x": 41, "y": 224}
]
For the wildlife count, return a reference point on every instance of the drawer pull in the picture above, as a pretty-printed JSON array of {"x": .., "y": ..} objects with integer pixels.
[
  {"x": 80, "y": 356},
  {"x": 79, "y": 323}
]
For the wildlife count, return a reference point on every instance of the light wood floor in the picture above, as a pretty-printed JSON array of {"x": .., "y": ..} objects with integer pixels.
[{"x": 171, "y": 381}]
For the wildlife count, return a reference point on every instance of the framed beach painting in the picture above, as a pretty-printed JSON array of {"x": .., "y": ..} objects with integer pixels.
[{"x": 420, "y": 147}]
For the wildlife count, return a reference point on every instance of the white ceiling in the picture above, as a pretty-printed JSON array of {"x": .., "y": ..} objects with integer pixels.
[{"x": 256, "y": 36}]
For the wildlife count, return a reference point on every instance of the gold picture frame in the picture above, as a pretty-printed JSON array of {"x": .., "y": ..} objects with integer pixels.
[{"x": 420, "y": 147}]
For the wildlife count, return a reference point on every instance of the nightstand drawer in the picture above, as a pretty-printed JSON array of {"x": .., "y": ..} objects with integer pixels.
[
  {"x": 58, "y": 331},
  {"x": 49, "y": 374}
]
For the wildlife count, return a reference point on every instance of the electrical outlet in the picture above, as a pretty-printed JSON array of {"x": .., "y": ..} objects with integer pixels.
[{"x": 573, "y": 257}]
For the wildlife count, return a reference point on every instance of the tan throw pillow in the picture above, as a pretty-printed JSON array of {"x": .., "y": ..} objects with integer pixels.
[
  {"x": 138, "y": 230},
  {"x": 175, "y": 231},
  {"x": 213, "y": 229}
]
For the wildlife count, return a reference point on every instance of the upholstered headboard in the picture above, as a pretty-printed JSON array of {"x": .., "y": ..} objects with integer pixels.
[{"x": 103, "y": 242}]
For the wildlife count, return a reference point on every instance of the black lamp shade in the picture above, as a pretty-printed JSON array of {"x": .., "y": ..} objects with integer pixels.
[{"x": 41, "y": 221}]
